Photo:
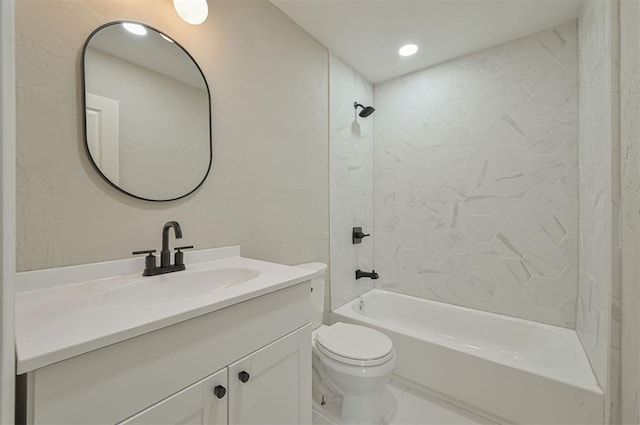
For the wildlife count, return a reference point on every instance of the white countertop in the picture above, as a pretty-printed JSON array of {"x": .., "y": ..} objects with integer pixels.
[{"x": 73, "y": 310}]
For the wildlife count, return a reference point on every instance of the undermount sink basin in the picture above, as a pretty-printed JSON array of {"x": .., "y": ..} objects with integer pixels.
[{"x": 177, "y": 285}]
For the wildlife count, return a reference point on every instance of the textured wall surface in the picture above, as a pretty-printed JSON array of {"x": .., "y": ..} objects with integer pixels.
[
  {"x": 595, "y": 135},
  {"x": 616, "y": 238},
  {"x": 268, "y": 190},
  {"x": 476, "y": 180},
  {"x": 351, "y": 170},
  {"x": 630, "y": 212},
  {"x": 7, "y": 201}
]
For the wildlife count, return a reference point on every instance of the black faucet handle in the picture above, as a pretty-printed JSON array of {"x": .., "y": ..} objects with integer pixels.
[
  {"x": 178, "y": 257},
  {"x": 149, "y": 261},
  {"x": 178, "y": 248},
  {"x": 149, "y": 251},
  {"x": 357, "y": 235}
]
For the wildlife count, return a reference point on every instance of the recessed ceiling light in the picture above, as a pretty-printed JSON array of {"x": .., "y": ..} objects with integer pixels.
[
  {"x": 136, "y": 29},
  {"x": 408, "y": 50}
]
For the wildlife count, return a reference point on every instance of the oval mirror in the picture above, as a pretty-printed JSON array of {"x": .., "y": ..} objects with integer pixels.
[{"x": 147, "y": 112}]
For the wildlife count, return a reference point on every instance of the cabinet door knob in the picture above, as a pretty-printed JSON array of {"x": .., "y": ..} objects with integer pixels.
[
  {"x": 219, "y": 391},
  {"x": 244, "y": 376}
]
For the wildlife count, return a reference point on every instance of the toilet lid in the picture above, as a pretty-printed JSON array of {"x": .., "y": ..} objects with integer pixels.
[{"x": 354, "y": 342}]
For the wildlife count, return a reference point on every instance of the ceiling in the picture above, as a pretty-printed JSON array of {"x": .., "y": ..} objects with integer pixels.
[{"x": 368, "y": 33}]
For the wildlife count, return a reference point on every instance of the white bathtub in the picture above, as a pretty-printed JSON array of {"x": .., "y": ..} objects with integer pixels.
[{"x": 516, "y": 370}]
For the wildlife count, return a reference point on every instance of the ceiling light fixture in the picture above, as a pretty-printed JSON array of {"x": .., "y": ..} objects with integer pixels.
[
  {"x": 136, "y": 29},
  {"x": 408, "y": 50},
  {"x": 193, "y": 12}
]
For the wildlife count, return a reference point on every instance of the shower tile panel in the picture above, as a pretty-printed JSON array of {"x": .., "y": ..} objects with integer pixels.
[
  {"x": 476, "y": 180},
  {"x": 351, "y": 181},
  {"x": 599, "y": 182}
]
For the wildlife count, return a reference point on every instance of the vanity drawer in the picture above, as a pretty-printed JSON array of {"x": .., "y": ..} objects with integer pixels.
[{"x": 113, "y": 383}]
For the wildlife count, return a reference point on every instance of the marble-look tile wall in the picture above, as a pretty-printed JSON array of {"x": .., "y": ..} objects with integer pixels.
[
  {"x": 351, "y": 181},
  {"x": 595, "y": 187},
  {"x": 476, "y": 180}
]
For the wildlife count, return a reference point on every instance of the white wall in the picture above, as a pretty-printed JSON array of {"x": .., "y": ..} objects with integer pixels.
[
  {"x": 476, "y": 180},
  {"x": 269, "y": 186},
  {"x": 7, "y": 210},
  {"x": 595, "y": 188},
  {"x": 615, "y": 331},
  {"x": 164, "y": 126},
  {"x": 630, "y": 211},
  {"x": 351, "y": 174}
]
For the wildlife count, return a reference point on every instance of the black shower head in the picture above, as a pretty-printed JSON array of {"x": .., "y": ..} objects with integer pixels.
[{"x": 366, "y": 110}]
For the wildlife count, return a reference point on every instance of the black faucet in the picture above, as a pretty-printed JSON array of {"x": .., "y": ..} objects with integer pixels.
[
  {"x": 371, "y": 275},
  {"x": 150, "y": 268},
  {"x": 165, "y": 254}
]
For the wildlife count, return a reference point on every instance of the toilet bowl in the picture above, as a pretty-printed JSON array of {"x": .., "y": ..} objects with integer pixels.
[
  {"x": 356, "y": 363},
  {"x": 353, "y": 362}
]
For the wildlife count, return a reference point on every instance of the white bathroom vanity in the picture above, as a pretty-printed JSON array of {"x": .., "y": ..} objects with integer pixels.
[{"x": 225, "y": 342}]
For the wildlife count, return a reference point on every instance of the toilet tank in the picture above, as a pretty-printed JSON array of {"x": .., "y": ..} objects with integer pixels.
[{"x": 317, "y": 292}]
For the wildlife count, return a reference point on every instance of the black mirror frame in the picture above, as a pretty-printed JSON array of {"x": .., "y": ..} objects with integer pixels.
[{"x": 84, "y": 111}]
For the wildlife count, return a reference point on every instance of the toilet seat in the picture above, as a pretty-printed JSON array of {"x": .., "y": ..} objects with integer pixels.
[{"x": 354, "y": 345}]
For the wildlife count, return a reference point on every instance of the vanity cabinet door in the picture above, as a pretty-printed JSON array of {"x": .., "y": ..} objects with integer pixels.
[
  {"x": 273, "y": 385},
  {"x": 203, "y": 403}
]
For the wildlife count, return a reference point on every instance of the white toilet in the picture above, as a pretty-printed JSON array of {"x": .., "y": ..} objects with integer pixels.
[{"x": 351, "y": 361}]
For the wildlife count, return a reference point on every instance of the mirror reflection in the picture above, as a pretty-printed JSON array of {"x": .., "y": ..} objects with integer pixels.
[{"x": 147, "y": 112}]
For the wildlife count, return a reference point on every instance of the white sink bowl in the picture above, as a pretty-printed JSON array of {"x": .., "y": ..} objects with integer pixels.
[{"x": 176, "y": 286}]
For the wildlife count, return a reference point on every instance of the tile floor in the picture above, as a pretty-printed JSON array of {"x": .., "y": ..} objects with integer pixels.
[{"x": 414, "y": 408}]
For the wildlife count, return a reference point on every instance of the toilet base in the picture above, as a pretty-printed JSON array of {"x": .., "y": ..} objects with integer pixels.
[
  {"x": 361, "y": 410},
  {"x": 332, "y": 407}
]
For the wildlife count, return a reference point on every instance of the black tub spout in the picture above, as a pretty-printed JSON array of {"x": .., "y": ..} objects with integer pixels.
[{"x": 371, "y": 275}]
